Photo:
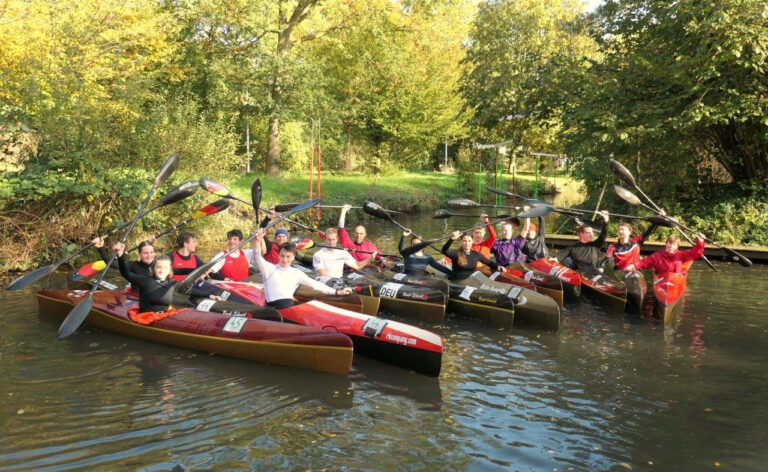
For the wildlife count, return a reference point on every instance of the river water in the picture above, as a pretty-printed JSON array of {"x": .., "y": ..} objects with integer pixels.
[{"x": 606, "y": 393}]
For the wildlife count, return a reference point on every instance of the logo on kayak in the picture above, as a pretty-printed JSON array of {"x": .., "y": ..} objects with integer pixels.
[
  {"x": 399, "y": 276},
  {"x": 389, "y": 290},
  {"x": 531, "y": 276},
  {"x": 396, "y": 338}
]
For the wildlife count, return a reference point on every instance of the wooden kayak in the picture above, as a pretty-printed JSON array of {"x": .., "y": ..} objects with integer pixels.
[
  {"x": 532, "y": 309},
  {"x": 234, "y": 336},
  {"x": 568, "y": 277},
  {"x": 382, "y": 339}
]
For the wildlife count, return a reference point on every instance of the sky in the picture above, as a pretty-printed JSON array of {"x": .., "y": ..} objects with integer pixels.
[{"x": 592, "y": 4}]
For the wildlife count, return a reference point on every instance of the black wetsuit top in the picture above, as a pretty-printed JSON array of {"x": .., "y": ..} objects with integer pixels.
[
  {"x": 462, "y": 271},
  {"x": 417, "y": 265},
  {"x": 154, "y": 295},
  {"x": 536, "y": 248},
  {"x": 137, "y": 267},
  {"x": 585, "y": 256}
]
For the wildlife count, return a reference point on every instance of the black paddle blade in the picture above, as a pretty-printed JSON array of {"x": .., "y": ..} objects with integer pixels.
[
  {"x": 595, "y": 225},
  {"x": 179, "y": 193},
  {"x": 659, "y": 220},
  {"x": 170, "y": 166},
  {"x": 737, "y": 257},
  {"x": 215, "y": 188},
  {"x": 627, "y": 196},
  {"x": 503, "y": 192},
  {"x": 281, "y": 207},
  {"x": 569, "y": 212},
  {"x": 536, "y": 211},
  {"x": 622, "y": 173},
  {"x": 256, "y": 195},
  {"x": 75, "y": 317},
  {"x": 376, "y": 210},
  {"x": 30, "y": 278},
  {"x": 462, "y": 203},
  {"x": 212, "y": 208},
  {"x": 442, "y": 214}
]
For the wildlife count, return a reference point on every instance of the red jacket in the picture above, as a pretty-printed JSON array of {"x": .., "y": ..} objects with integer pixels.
[
  {"x": 663, "y": 262},
  {"x": 485, "y": 245},
  {"x": 347, "y": 242}
]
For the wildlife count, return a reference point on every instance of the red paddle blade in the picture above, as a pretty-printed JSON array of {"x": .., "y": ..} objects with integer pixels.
[
  {"x": 212, "y": 209},
  {"x": 215, "y": 187},
  {"x": 305, "y": 243},
  {"x": 91, "y": 269}
]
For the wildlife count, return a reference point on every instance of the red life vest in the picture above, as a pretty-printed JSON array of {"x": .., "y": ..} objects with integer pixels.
[
  {"x": 181, "y": 266},
  {"x": 273, "y": 255},
  {"x": 235, "y": 268}
]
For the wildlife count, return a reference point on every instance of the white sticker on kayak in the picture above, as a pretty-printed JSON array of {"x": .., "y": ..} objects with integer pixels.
[
  {"x": 235, "y": 324},
  {"x": 494, "y": 276},
  {"x": 467, "y": 293},
  {"x": 205, "y": 305},
  {"x": 399, "y": 276},
  {"x": 513, "y": 293},
  {"x": 225, "y": 295},
  {"x": 554, "y": 270},
  {"x": 354, "y": 276},
  {"x": 597, "y": 278},
  {"x": 528, "y": 275},
  {"x": 390, "y": 289},
  {"x": 108, "y": 285}
]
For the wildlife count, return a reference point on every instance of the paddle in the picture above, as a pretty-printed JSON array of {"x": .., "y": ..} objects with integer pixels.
[
  {"x": 443, "y": 214},
  {"x": 357, "y": 250},
  {"x": 632, "y": 199},
  {"x": 280, "y": 207},
  {"x": 178, "y": 193},
  {"x": 78, "y": 314},
  {"x": 256, "y": 195},
  {"x": 515, "y": 195},
  {"x": 186, "y": 284},
  {"x": 467, "y": 203},
  {"x": 92, "y": 268}
]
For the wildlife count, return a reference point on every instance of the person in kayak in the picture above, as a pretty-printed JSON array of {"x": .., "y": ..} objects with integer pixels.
[
  {"x": 237, "y": 264},
  {"x": 157, "y": 292},
  {"x": 281, "y": 280},
  {"x": 585, "y": 254},
  {"x": 535, "y": 242},
  {"x": 670, "y": 259},
  {"x": 361, "y": 248},
  {"x": 626, "y": 250},
  {"x": 416, "y": 262},
  {"x": 329, "y": 262},
  {"x": 183, "y": 258},
  {"x": 464, "y": 261},
  {"x": 146, "y": 256},
  {"x": 509, "y": 248},
  {"x": 270, "y": 250}
]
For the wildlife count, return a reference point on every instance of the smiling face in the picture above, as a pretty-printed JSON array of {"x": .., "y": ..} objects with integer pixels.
[
  {"x": 233, "y": 241},
  {"x": 507, "y": 231},
  {"x": 162, "y": 269},
  {"x": 625, "y": 231},
  {"x": 147, "y": 254},
  {"x": 477, "y": 235},
  {"x": 331, "y": 238},
  {"x": 360, "y": 234},
  {"x": 586, "y": 235},
  {"x": 286, "y": 258},
  {"x": 281, "y": 239},
  {"x": 191, "y": 245},
  {"x": 466, "y": 243}
]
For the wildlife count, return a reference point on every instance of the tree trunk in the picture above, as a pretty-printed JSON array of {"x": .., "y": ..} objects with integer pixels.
[
  {"x": 348, "y": 163},
  {"x": 273, "y": 147}
]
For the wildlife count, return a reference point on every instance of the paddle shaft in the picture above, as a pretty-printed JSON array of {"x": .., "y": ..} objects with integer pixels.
[{"x": 358, "y": 250}]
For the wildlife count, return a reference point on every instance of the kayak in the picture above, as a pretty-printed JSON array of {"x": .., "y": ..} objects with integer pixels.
[
  {"x": 668, "y": 294},
  {"x": 545, "y": 283},
  {"x": 637, "y": 288},
  {"x": 531, "y": 308},
  {"x": 568, "y": 277},
  {"x": 231, "y": 335},
  {"x": 382, "y": 339},
  {"x": 603, "y": 289}
]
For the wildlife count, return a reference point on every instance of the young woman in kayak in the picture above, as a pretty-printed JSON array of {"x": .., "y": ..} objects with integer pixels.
[
  {"x": 146, "y": 256},
  {"x": 585, "y": 254},
  {"x": 535, "y": 242},
  {"x": 416, "y": 262},
  {"x": 281, "y": 280},
  {"x": 626, "y": 250},
  {"x": 670, "y": 259},
  {"x": 236, "y": 265},
  {"x": 464, "y": 261},
  {"x": 157, "y": 292}
]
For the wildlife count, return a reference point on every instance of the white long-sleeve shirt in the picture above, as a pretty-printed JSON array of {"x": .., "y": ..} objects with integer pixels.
[
  {"x": 333, "y": 260},
  {"x": 281, "y": 282}
]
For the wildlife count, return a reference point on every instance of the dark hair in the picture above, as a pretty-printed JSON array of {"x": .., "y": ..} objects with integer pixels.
[
  {"x": 144, "y": 244},
  {"x": 183, "y": 238},
  {"x": 290, "y": 246},
  {"x": 235, "y": 232},
  {"x": 582, "y": 228}
]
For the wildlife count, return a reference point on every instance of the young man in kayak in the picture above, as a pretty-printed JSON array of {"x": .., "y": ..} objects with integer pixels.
[
  {"x": 270, "y": 250},
  {"x": 281, "y": 280},
  {"x": 329, "y": 262},
  {"x": 535, "y": 242},
  {"x": 585, "y": 254},
  {"x": 416, "y": 262},
  {"x": 626, "y": 250},
  {"x": 183, "y": 258},
  {"x": 509, "y": 248},
  {"x": 464, "y": 261},
  {"x": 146, "y": 256},
  {"x": 670, "y": 259},
  {"x": 157, "y": 292},
  {"x": 236, "y": 265}
]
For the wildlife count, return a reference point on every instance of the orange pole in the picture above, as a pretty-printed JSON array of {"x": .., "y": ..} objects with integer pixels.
[{"x": 311, "y": 170}]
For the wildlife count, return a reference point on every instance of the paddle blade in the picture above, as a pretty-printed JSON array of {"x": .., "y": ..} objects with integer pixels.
[
  {"x": 569, "y": 212},
  {"x": 595, "y": 225},
  {"x": 256, "y": 195},
  {"x": 627, "y": 196},
  {"x": 215, "y": 188},
  {"x": 660, "y": 221},
  {"x": 178, "y": 193},
  {"x": 737, "y": 257},
  {"x": 622, "y": 173},
  {"x": 442, "y": 214},
  {"x": 462, "y": 203},
  {"x": 503, "y": 192},
  {"x": 89, "y": 270},
  {"x": 212, "y": 209},
  {"x": 75, "y": 317},
  {"x": 302, "y": 242},
  {"x": 30, "y": 278},
  {"x": 281, "y": 207},
  {"x": 376, "y": 210},
  {"x": 536, "y": 211},
  {"x": 170, "y": 166}
]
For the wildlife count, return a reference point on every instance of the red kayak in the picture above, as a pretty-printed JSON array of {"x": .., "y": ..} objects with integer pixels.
[
  {"x": 668, "y": 292},
  {"x": 386, "y": 340},
  {"x": 230, "y": 335},
  {"x": 570, "y": 278},
  {"x": 605, "y": 290}
]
